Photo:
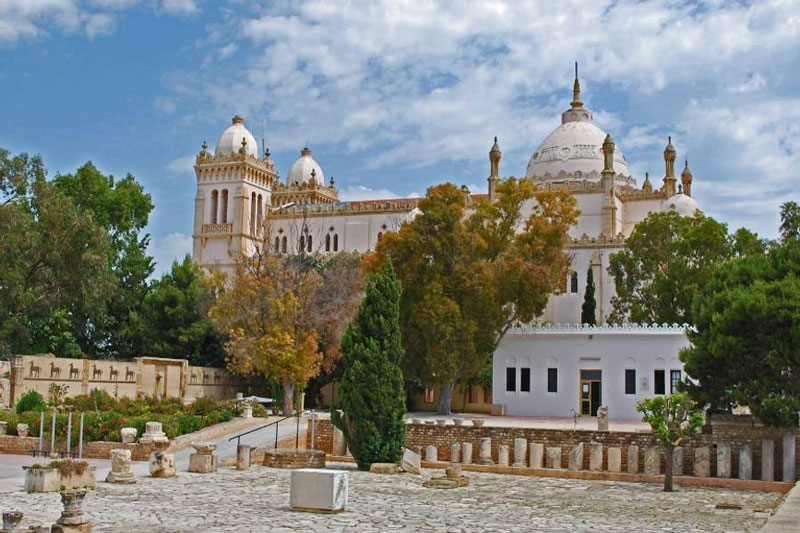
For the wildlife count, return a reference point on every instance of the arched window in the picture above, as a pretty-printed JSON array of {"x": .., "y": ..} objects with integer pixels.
[
  {"x": 573, "y": 282},
  {"x": 302, "y": 243},
  {"x": 259, "y": 214},
  {"x": 328, "y": 242},
  {"x": 224, "y": 209},
  {"x": 277, "y": 245},
  {"x": 335, "y": 242},
  {"x": 308, "y": 244},
  {"x": 253, "y": 216},
  {"x": 214, "y": 204},
  {"x": 283, "y": 245}
]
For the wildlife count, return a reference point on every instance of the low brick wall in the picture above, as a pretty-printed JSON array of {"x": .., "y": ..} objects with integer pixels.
[
  {"x": 736, "y": 434},
  {"x": 91, "y": 450},
  {"x": 290, "y": 458},
  {"x": 18, "y": 445}
]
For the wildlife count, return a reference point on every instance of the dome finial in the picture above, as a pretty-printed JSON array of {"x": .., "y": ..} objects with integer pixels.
[{"x": 576, "y": 90}]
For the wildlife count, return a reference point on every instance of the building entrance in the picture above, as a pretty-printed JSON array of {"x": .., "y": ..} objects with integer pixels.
[{"x": 590, "y": 392}]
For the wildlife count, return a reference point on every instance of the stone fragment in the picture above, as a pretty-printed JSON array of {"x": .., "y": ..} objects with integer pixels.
[
  {"x": 746, "y": 461},
  {"x": 318, "y": 490},
  {"x": 789, "y": 449},
  {"x": 633, "y": 459},
  {"x": 72, "y": 519},
  {"x": 602, "y": 418},
  {"x": 204, "y": 448},
  {"x": 702, "y": 461},
  {"x": 416, "y": 421},
  {"x": 553, "y": 457},
  {"x": 485, "y": 457},
  {"x": 153, "y": 433},
  {"x": 595, "y": 457},
  {"x": 411, "y": 462},
  {"x": 455, "y": 452},
  {"x": 723, "y": 460},
  {"x": 615, "y": 459},
  {"x": 520, "y": 451},
  {"x": 502, "y": 455},
  {"x": 11, "y": 520},
  {"x": 339, "y": 444},
  {"x": 441, "y": 421},
  {"x": 247, "y": 410},
  {"x": 243, "y": 452},
  {"x": 430, "y": 422},
  {"x": 128, "y": 435},
  {"x": 120, "y": 467},
  {"x": 162, "y": 464},
  {"x": 384, "y": 468},
  {"x": 652, "y": 460},
  {"x": 453, "y": 471},
  {"x": 458, "y": 421},
  {"x": 3, "y": 427},
  {"x": 22, "y": 430},
  {"x": 477, "y": 422},
  {"x": 677, "y": 461},
  {"x": 536, "y": 451},
  {"x": 767, "y": 460},
  {"x": 466, "y": 453},
  {"x": 431, "y": 453},
  {"x": 576, "y": 457}
]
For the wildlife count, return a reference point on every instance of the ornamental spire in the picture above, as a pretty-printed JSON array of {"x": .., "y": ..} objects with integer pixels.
[{"x": 576, "y": 91}]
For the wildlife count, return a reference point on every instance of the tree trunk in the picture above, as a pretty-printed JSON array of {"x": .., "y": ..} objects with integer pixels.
[
  {"x": 445, "y": 398},
  {"x": 668, "y": 469},
  {"x": 288, "y": 399}
]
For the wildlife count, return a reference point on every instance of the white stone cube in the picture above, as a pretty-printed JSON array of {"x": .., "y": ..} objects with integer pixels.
[{"x": 318, "y": 490}]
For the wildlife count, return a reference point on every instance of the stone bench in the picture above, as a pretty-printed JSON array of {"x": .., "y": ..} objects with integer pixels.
[{"x": 318, "y": 490}]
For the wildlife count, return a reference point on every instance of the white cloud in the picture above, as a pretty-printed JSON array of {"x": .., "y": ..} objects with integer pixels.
[
  {"x": 99, "y": 24},
  {"x": 354, "y": 193},
  {"x": 172, "y": 247},
  {"x": 179, "y": 7},
  {"x": 752, "y": 82},
  {"x": 182, "y": 165}
]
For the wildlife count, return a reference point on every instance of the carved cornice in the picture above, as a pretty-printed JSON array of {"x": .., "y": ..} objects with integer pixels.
[
  {"x": 586, "y": 329},
  {"x": 601, "y": 241}
]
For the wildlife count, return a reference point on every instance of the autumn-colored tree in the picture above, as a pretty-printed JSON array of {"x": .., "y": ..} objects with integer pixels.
[{"x": 470, "y": 269}]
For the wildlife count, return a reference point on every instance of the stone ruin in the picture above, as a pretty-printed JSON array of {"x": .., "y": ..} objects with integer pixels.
[
  {"x": 120, "y": 467},
  {"x": 153, "y": 434},
  {"x": 205, "y": 459},
  {"x": 162, "y": 465},
  {"x": 128, "y": 435},
  {"x": 452, "y": 479},
  {"x": 72, "y": 519}
]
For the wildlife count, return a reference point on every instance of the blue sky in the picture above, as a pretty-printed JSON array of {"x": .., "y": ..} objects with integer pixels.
[{"x": 394, "y": 96}]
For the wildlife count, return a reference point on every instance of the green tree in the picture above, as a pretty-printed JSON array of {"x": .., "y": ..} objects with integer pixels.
[
  {"x": 371, "y": 394},
  {"x": 469, "y": 275},
  {"x": 790, "y": 221},
  {"x": 667, "y": 259},
  {"x": 589, "y": 303},
  {"x": 673, "y": 418}
]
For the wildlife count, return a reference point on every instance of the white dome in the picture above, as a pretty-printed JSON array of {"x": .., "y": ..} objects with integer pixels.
[
  {"x": 682, "y": 204},
  {"x": 230, "y": 142},
  {"x": 301, "y": 170}
]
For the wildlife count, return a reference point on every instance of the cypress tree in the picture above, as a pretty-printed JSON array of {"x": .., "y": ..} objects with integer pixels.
[
  {"x": 589, "y": 303},
  {"x": 371, "y": 395}
]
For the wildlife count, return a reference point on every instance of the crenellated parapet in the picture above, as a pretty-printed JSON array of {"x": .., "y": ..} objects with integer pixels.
[
  {"x": 617, "y": 329},
  {"x": 239, "y": 166}
]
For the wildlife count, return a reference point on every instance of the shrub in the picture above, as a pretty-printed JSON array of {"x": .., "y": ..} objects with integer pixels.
[
  {"x": 202, "y": 406},
  {"x": 31, "y": 401}
]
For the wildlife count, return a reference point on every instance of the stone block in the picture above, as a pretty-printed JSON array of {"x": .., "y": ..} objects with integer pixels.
[
  {"x": 702, "y": 461},
  {"x": 536, "y": 451},
  {"x": 243, "y": 452},
  {"x": 633, "y": 459},
  {"x": 247, "y": 411},
  {"x": 431, "y": 453},
  {"x": 767, "y": 460},
  {"x": 51, "y": 480},
  {"x": 615, "y": 459},
  {"x": 652, "y": 460},
  {"x": 201, "y": 463},
  {"x": 128, "y": 435},
  {"x": 553, "y": 457},
  {"x": 723, "y": 460},
  {"x": 576, "y": 457},
  {"x": 520, "y": 452},
  {"x": 455, "y": 452},
  {"x": 466, "y": 453},
  {"x": 596, "y": 457},
  {"x": 458, "y": 421},
  {"x": 22, "y": 430},
  {"x": 3, "y": 427},
  {"x": 339, "y": 445},
  {"x": 318, "y": 490},
  {"x": 384, "y": 468},
  {"x": 478, "y": 422},
  {"x": 746, "y": 462},
  {"x": 120, "y": 467},
  {"x": 602, "y": 418},
  {"x": 502, "y": 455},
  {"x": 789, "y": 449},
  {"x": 162, "y": 465},
  {"x": 485, "y": 457},
  {"x": 411, "y": 462},
  {"x": 677, "y": 461}
]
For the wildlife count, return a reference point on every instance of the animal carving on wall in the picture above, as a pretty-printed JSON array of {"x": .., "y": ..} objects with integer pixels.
[
  {"x": 34, "y": 371},
  {"x": 205, "y": 376},
  {"x": 193, "y": 378},
  {"x": 113, "y": 374},
  {"x": 74, "y": 373},
  {"x": 128, "y": 374},
  {"x": 96, "y": 372},
  {"x": 55, "y": 372},
  {"x": 217, "y": 377}
]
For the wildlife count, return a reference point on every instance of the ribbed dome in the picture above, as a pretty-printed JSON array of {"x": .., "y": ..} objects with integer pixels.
[
  {"x": 230, "y": 142},
  {"x": 682, "y": 204},
  {"x": 301, "y": 170}
]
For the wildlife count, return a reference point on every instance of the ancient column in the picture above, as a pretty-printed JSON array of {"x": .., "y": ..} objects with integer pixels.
[
  {"x": 652, "y": 460},
  {"x": 767, "y": 460},
  {"x": 553, "y": 457},
  {"x": 615, "y": 459},
  {"x": 72, "y": 519},
  {"x": 243, "y": 457},
  {"x": 431, "y": 453},
  {"x": 576, "y": 457},
  {"x": 602, "y": 418},
  {"x": 502, "y": 455},
  {"x": 247, "y": 410},
  {"x": 702, "y": 461},
  {"x": 746, "y": 462},
  {"x": 153, "y": 433},
  {"x": 120, "y": 467},
  {"x": 536, "y": 451},
  {"x": 466, "y": 453},
  {"x": 789, "y": 458},
  {"x": 128, "y": 435},
  {"x": 723, "y": 460},
  {"x": 455, "y": 452},
  {"x": 595, "y": 457},
  {"x": 485, "y": 457},
  {"x": 633, "y": 459},
  {"x": 520, "y": 452},
  {"x": 677, "y": 461},
  {"x": 205, "y": 458}
]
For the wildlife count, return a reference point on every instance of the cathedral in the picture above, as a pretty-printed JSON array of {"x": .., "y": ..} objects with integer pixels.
[{"x": 556, "y": 367}]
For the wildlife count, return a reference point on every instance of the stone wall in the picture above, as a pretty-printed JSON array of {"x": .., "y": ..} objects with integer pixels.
[
  {"x": 421, "y": 435},
  {"x": 91, "y": 450}
]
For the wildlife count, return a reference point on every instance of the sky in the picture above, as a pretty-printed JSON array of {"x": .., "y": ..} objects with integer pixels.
[{"x": 396, "y": 96}]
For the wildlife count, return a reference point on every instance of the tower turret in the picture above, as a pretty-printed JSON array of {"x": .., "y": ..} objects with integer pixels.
[
  {"x": 686, "y": 179},
  {"x": 669, "y": 162},
  {"x": 494, "y": 168}
]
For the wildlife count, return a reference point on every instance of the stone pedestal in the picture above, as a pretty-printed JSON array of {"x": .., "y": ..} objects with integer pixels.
[
  {"x": 11, "y": 521},
  {"x": 520, "y": 452},
  {"x": 746, "y": 462},
  {"x": 615, "y": 459},
  {"x": 652, "y": 460},
  {"x": 339, "y": 445},
  {"x": 128, "y": 435},
  {"x": 602, "y": 418},
  {"x": 411, "y": 462},
  {"x": 247, "y": 411},
  {"x": 243, "y": 457},
  {"x": 466, "y": 453},
  {"x": 595, "y": 457},
  {"x": 22, "y": 430},
  {"x": 120, "y": 467},
  {"x": 205, "y": 460},
  {"x": 702, "y": 461},
  {"x": 318, "y": 490},
  {"x": 723, "y": 460},
  {"x": 431, "y": 454},
  {"x": 677, "y": 461},
  {"x": 767, "y": 460},
  {"x": 153, "y": 433},
  {"x": 3, "y": 428},
  {"x": 576, "y": 457},
  {"x": 553, "y": 457},
  {"x": 536, "y": 451},
  {"x": 789, "y": 443},
  {"x": 455, "y": 452},
  {"x": 633, "y": 459},
  {"x": 485, "y": 457},
  {"x": 162, "y": 465},
  {"x": 72, "y": 519},
  {"x": 502, "y": 455}
]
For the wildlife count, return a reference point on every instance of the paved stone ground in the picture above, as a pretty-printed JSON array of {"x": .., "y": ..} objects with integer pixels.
[{"x": 257, "y": 500}]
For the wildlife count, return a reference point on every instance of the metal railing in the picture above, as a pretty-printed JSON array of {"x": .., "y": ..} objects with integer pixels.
[
  {"x": 276, "y": 423},
  {"x": 68, "y": 452}
]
